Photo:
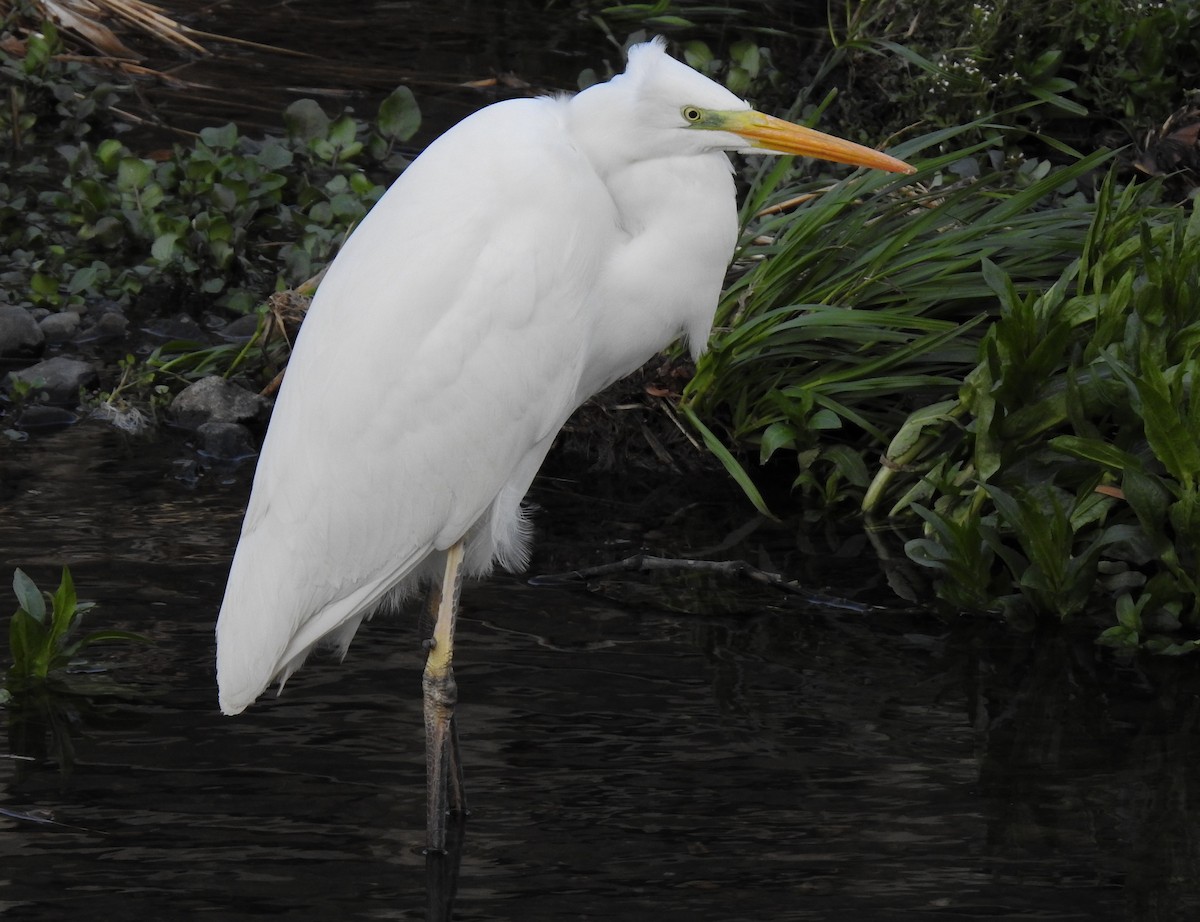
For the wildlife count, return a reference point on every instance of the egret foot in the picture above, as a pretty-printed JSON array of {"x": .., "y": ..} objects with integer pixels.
[{"x": 443, "y": 765}]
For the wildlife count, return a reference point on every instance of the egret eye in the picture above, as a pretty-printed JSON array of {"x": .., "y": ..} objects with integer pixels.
[{"x": 692, "y": 114}]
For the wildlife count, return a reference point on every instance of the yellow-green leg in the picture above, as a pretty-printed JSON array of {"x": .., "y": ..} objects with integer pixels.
[{"x": 443, "y": 767}]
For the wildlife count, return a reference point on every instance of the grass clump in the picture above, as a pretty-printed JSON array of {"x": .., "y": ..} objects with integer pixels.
[
  {"x": 866, "y": 301},
  {"x": 1065, "y": 474},
  {"x": 1007, "y": 362}
]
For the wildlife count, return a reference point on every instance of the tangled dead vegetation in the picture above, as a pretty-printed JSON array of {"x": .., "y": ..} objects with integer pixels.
[{"x": 102, "y": 26}]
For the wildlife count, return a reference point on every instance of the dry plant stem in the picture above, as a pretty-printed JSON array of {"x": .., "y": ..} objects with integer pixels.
[{"x": 787, "y": 205}]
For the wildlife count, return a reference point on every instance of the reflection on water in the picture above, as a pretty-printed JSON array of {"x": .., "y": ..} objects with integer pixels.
[{"x": 623, "y": 762}]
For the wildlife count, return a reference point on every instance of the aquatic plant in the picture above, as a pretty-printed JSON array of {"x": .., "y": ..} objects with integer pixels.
[{"x": 42, "y": 635}]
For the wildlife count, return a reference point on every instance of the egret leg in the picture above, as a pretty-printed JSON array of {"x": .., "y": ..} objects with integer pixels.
[{"x": 443, "y": 767}]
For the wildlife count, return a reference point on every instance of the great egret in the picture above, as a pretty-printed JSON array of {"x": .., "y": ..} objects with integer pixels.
[{"x": 533, "y": 254}]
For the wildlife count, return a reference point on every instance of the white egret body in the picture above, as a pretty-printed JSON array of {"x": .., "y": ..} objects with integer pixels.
[{"x": 532, "y": 255}]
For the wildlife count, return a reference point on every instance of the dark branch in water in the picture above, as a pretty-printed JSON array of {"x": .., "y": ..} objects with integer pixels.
[{"x": 647, "y": 563}]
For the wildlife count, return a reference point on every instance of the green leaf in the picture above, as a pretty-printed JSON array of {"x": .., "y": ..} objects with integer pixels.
[
  {"x": 67, "y": 609},
  {"x": 399, "y": 116},
  {"x": 223, "y": 138},
  {"x": 109, "y": 153},
  {"x": 1148, "y": 498},
  {"x": 163, "y": 248},
  {"x": 1108, "y": 456},
  {"x": 26, "y": 641},
  {"x": 342, "y": 131},
  {"x": 1129, "y": 615},
  {"x": 1118, "y": 636},
  {"x": 774, "y": 437},
  {"x": 1167, "y": 429},
  {"x": 133, "y": 173},
  {"x": 736, "y": 471},
  {"x": 83, "y": 279},
  {"x": 45, "y": 286},
  {"x": 111, "y": 635},
  {"x": 29, "y": 596},
  {"x": 1059, "y": 102},
  {"x": 305, "y": 120},
  {"x": 274, "y": 156}
]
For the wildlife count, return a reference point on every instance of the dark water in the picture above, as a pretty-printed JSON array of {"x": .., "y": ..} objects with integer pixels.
[
  {"x": 780, "y": 761},
  {"x": 455, "y": 57},
  {"x": 626, "y": 759}
]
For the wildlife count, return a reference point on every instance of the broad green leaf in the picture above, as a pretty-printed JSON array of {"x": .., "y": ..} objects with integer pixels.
[
  {"x": 399, "y": 116},
  {"x": 1175, "y": 444},
  {"x": 222, "y": 138},
  {"x": 164, "y": 247},
  {"x": 774, "y": 437},
  {"x": 305, "y": 120},
  {"x": 133, "y": 173},
  {"x": 109, "y": 152},
  {"x": 1149, "y": 499},
  {"x": 342, "y": 131},
  {"x": 29, "y": 597}
]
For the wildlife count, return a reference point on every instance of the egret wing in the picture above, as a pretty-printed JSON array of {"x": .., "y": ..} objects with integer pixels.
[{"x": 442, "y": 352}]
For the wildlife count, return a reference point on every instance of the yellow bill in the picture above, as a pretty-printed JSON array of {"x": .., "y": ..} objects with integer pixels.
[{"x": 769, "y": 133}]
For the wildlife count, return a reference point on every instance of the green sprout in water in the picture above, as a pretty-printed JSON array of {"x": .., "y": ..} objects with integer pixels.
[{"x": 41, "y": 634}]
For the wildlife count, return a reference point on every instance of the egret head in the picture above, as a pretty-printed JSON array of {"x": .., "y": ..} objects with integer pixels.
[{"x": 662, "y": 107}]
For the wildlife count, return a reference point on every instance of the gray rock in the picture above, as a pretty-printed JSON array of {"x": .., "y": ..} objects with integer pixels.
[
  {"x": 44, "y": 416},
  {"x": 226, "y": 441},
  {"x": 57, "y": 380},
  {"x": 19, "y": 332},
  {"x": 182, "y": 327},
  {"x": 215, "y": 399},
  {"x": 240, "y": 329},
  {"x": 60, "y": 327},
  {"x": 109, "y": 326}
]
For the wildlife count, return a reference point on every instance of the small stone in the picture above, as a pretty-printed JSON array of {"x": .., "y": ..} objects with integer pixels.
[
  {"x": 57, "y": 380},
  {"x": 240, "y": 329},
  {"x": 60, "y": 327},
  {"x": 214, "y": 399},
  {"x": 111, "y": 325},
  {"x": 43, "y": 416},
  {"x": 182, "y": 327},
  {"x": 19, "y": 332},
  {"x": 226, "y": 441}
]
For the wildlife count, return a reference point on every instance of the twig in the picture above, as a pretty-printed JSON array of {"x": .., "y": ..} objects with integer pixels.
[{"x": 647, "y": 563}]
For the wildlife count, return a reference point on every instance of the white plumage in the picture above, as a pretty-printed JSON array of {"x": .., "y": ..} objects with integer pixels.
[{"x": 533, "y": 254}]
